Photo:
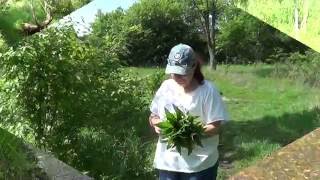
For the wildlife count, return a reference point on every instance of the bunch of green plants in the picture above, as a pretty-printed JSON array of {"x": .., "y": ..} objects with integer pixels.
[{"x": 180, "y": 129}]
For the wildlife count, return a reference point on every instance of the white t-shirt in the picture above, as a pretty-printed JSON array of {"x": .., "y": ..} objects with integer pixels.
[{"x": 205, "y": 101}]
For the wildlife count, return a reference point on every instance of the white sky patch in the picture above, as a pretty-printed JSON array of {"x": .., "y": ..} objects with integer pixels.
[{"x": 82, "y": 18}]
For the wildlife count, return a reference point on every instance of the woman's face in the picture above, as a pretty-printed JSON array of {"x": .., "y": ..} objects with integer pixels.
[{"x": 183, "y": 80}]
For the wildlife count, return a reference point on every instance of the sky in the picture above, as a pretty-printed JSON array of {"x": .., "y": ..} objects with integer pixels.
[{"x": 83, "y": 17}]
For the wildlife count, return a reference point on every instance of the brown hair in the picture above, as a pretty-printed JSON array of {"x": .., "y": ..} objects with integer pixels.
[{"x": 198, "y": 74}]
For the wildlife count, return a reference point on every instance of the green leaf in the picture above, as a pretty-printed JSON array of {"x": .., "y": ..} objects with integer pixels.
[
  {"x": 196, "y": 139},
  {"x": 179, "y": 113},
  {"x": 181, "y": 130},
  {"x": 164, "y": 125},
  {"x": 169, "y": 116}
]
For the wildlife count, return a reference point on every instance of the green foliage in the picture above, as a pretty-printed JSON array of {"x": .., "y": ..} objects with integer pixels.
[
  {"x": 241, "y": 38},
  {"x": 121, "y": 155},
  {"x": 65, "y": 7},
  {"x": 109, "y": 33},
  {"x": 154, "y": 81},
  {"x": 181, "y": 130},
  {"x": 73, "y": 97},
  {"x": 3, "y": 43},
  {"x": 14, "y": 160},
  {"x": 50, "y": 73},
  {"x": 144, "y": 34},
  {"x": 11, "y": 19},
  {"x": 245, "y": 39},
  {"x": 303, "y": 67}
]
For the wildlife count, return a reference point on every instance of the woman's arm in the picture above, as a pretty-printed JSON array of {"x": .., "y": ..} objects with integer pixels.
[
  {"x": 213, "y": 128},
  {"x": 153, "y": 121}
]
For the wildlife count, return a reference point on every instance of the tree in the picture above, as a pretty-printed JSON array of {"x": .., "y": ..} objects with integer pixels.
[
  {"x": 206, "y": 13},
  {"x": 145, "y": 33},
  {"x": 32, "y": 28},
  {"x": 50, "y": 7},
  {"x": 243, "y": 38}
]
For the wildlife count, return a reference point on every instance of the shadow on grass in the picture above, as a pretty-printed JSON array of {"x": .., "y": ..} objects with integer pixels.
[{"x": 246, "y": 140}]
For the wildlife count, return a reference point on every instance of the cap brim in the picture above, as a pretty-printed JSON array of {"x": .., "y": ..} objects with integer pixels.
[{"x": 176, "y": 70}]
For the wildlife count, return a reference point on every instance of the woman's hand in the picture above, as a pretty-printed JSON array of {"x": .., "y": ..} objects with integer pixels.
[
  {"x": 153, "y": 121},
  {"x": 212, "y": 129}
]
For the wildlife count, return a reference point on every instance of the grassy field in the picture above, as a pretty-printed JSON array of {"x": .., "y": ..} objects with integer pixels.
[{"x": 266, "y": 112}]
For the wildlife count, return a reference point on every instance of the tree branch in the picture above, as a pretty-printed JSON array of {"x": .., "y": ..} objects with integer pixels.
[
  {"x": 203, "y": 20},
  {"x": 29, "y": 28}
]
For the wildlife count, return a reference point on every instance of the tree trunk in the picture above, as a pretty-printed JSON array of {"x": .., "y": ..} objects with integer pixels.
[
  {"x": 212, "y": 61},
  {"x": 209, "y": 35},
  {"x": 208, "y": 27},
  {"x": 296, "y": 19},
  {"x": 303, "y": 26},
  {"x": 32, "y": 28},
  {"x": 212, "y": 48}
]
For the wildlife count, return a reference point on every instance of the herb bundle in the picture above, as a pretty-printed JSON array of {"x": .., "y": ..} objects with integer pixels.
[{"x": 181, "y": 130}]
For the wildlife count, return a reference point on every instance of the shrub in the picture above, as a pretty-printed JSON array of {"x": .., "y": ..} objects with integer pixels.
[
  {"x": 15, "y": 162},
  {"x": 303, "y": 67},
  {"x": 72, "y": 97}
]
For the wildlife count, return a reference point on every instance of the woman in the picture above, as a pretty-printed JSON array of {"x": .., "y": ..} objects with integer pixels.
[{"x": 188, "y": 90}]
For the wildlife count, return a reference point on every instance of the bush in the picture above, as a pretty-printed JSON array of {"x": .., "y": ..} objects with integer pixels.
[
  {"x": 15, "y": 162},
  {"x": 303, "y": 67},
  {"x": 114, "y": 156},
  {"x": 55, "y": 78},
  {"x": 155, "y": 80},
  {"x": 72, "y": 97}
]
